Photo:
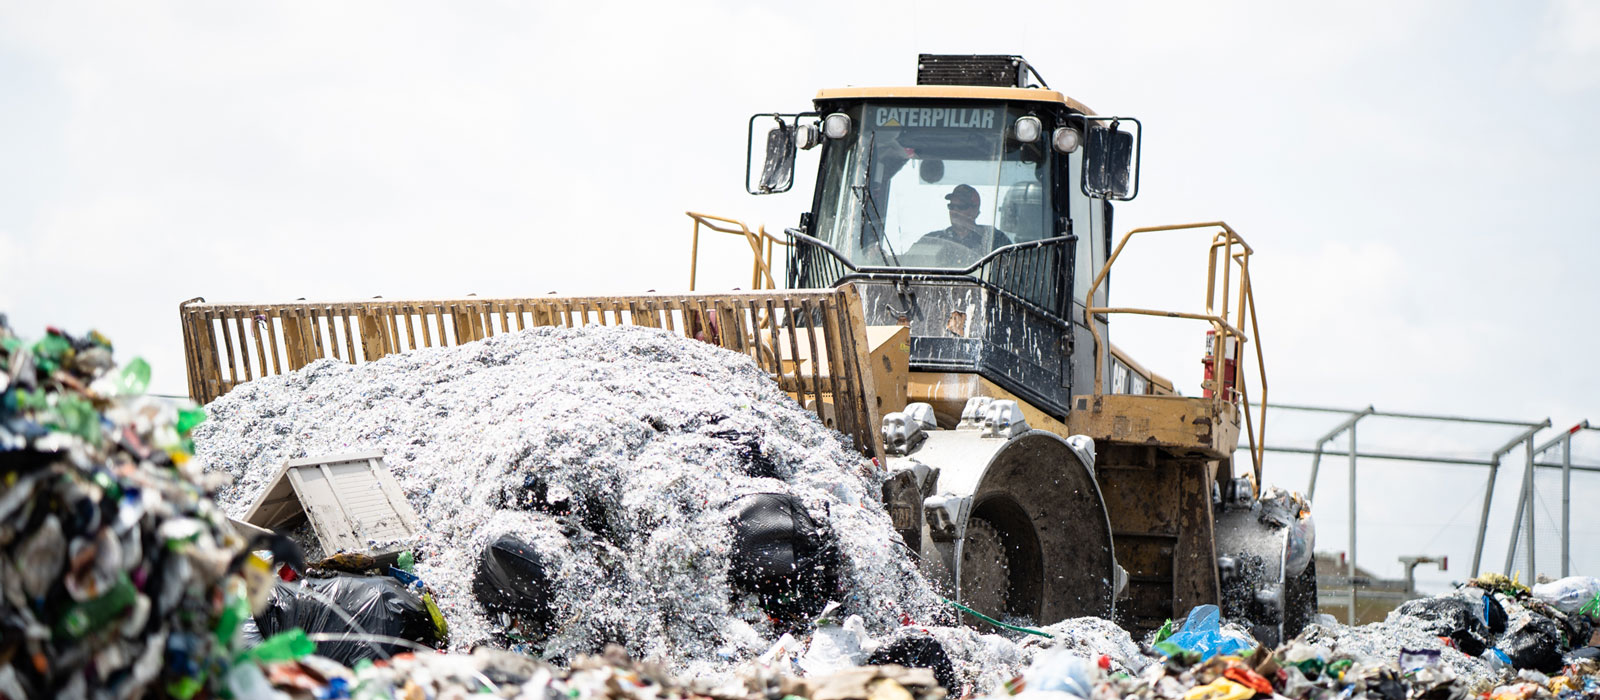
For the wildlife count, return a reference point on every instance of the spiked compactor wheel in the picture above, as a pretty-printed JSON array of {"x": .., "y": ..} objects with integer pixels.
[{"x": 986, "y": 587}]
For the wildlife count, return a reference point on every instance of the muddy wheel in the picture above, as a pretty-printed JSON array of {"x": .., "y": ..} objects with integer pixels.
[
  {"x": 986, "y": 569},
  {"x": 1054, "y": 553}
]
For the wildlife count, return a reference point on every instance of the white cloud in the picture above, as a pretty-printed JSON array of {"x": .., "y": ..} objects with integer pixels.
[{"x": 1566, "y": 55}]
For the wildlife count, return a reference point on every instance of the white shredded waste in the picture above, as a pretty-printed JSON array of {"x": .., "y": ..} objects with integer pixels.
[
  {"x": 1091, "y": 637},
  {"x": 647, "y": 424},
  {"x": 982, "y": 660},
  {"x": 1382, "y": 641}
]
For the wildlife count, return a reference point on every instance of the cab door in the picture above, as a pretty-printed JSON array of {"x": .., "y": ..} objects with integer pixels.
[{"x": 1091, "y": 223}]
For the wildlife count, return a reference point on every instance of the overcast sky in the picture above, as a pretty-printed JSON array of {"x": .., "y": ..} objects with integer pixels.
[{"x": 1417, "y": 179}]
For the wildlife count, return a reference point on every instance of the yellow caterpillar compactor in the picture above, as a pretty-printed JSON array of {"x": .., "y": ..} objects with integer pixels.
[{"x": 945, "y": 307}]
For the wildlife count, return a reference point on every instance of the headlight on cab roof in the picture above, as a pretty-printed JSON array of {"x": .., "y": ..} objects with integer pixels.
[
  {"x": 1066, "y": 139},
  {"x": 1027, "y": 129},
  {"x": 836, "y": 125}
]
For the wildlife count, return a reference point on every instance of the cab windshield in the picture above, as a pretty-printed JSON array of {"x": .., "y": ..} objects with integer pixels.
[{"x": 933, "y": 185}]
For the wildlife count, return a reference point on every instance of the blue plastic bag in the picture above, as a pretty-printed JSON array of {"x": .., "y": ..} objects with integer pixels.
[{"x": 1202, "y": 634}]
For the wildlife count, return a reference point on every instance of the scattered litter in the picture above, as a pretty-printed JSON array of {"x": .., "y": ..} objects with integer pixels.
[
  {"x": 1202, "y": 634},
  {"x": 129, "y": 580},
  {"x": 1570, "y": 594}
]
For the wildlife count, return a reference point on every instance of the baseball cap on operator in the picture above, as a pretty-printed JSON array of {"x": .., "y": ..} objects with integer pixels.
[{"x": 963, "y": 197}]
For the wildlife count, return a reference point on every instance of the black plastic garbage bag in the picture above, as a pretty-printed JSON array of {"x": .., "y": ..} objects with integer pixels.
[
  {"x": 1494, "y": 613},
  {"x": 512, "y": 579},
  {"x": 378, "y": 605},
  {"x": 781, "y": 555},
  {"x": 1451, "y": 617},
  {"x": 1533, "y": 642},
  {"x": 1386, "y": 685},
  {"x": 918, "y": 650}
]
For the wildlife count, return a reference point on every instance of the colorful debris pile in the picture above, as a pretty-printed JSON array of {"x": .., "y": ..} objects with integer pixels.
[
  {"x": 915, "y": 666},
  {"x": 1488, "y": 625},
  {"x": 119, "y": 573},
  {"x": 1207, "y": 661},
  {"x": 487, "y": 672}
]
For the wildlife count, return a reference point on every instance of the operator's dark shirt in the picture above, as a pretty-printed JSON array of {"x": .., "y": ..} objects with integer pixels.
[{"x": 974, "y": 241}]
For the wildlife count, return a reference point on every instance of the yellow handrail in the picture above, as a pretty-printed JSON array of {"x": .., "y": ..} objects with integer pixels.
[
  {"x": 761, "y": 268},
  {"x": 1226, "y": 332}
]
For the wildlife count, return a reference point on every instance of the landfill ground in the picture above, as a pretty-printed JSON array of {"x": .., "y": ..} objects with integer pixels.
[{"x": 581, "y": 498}]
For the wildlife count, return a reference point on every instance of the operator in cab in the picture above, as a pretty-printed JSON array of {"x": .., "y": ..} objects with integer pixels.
[{"x": 964, "y": 230}]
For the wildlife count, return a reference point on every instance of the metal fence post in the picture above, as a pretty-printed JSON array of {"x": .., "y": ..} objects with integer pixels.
[
  {"x": 1566, "y": 501},
  {"x": 1533, "y": 572},
  {"x": 1483, "y": 524},
  {"x": 1564, "y": 441},
  {"x": 1483, "y": 521},
  {"x": 1516, "y": 528},
  {"x": 1352, "y": 570}
]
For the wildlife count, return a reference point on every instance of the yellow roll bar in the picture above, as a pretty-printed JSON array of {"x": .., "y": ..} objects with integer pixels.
[
  {"x": 760, "y": 242},
  {"x": 1244, "y": 313}
]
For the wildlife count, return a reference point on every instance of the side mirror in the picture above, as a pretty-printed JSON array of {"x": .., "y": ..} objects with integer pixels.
[
  {"x": 777, "y": 168},
  {"x": 1111, "y": 159}
]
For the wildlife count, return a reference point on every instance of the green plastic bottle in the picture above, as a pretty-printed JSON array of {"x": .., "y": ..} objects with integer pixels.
[
  {"x": 78, "y": 417},
  {"x": 49, "y": 353},
  {"x": 235, "y": 608},
  {"x": 188, "y": 418},
  {"x": 135, "y": 378},
  {"x": 90, "y": 615},
  {"x": 289, "y": 645}
]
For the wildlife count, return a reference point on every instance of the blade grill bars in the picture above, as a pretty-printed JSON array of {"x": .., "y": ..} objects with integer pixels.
[{"x": 783, "y": 332}]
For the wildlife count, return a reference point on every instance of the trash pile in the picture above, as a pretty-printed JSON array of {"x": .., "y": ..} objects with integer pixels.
[
  {"x": 730, "y": 543},
  {"x": 1394, "y": 660},
  {"x": 118, "y": 573},
  {"x": 1199, "y": 659},
  {"x": 964, "y": 660},
  {"x": 1489, "y": 625},
  {"x": 581, "y": 487},
  {"x": 487, "y": 672}
]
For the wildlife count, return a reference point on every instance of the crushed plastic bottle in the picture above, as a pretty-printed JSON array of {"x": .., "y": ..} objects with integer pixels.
[
  {"x": 188, "y": 418},
  {"x": 289, "y": 645},
  {"x": 83, "y": 618},
  {"x": 134, "y": 380}
]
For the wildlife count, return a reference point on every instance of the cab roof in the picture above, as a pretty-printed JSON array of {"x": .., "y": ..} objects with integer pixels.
[{"x": 955, "y": 92}]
